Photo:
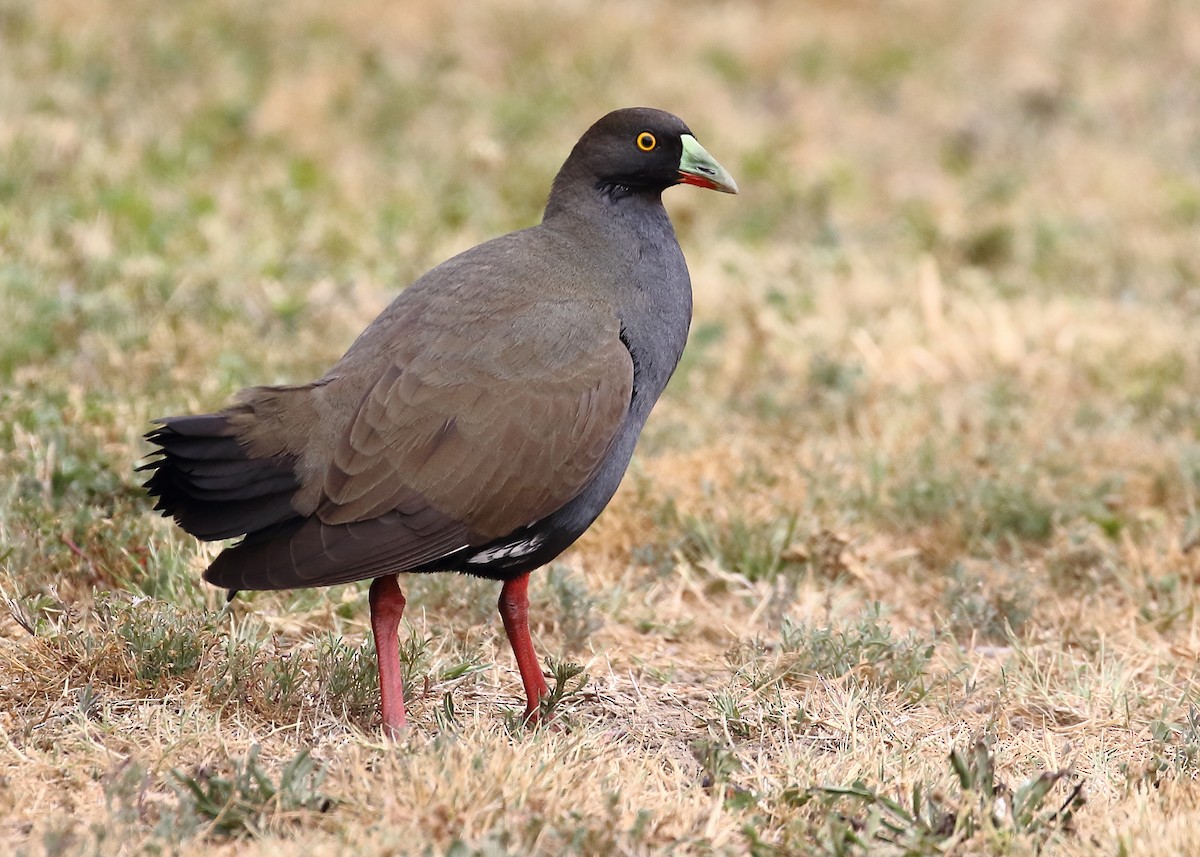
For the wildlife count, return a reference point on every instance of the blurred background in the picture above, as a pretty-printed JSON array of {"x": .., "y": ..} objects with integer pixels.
[
  {"x": 288, "y": 162},
  {"x": 943, "y": 359}
]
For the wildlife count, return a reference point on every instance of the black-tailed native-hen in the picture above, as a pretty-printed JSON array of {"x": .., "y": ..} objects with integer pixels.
[{"x": 480, "y": 424}]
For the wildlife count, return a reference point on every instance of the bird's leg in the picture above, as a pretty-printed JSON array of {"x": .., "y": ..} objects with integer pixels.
[
  {"x": 387, "y": 608},
  {"x": 514, "y": 610}
]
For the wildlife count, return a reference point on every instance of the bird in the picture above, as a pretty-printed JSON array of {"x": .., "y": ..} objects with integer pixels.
[{"x": 479, "y": 424}]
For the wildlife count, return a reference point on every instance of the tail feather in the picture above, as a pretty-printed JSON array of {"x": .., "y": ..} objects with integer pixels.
[
  {"x": 213, "y": 521},
  {"x": 210, "y": 484},
  {"x": 234, "y": 486},
  {"x": 217, "y": 468}
]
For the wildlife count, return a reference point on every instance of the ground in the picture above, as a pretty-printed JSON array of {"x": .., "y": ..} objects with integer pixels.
[{"x": 904, "y": 563}]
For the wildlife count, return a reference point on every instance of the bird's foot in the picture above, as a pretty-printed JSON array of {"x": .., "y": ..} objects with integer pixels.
[
  {"x": 543, "y": 717},
  {"x": 395, "y": 732}
]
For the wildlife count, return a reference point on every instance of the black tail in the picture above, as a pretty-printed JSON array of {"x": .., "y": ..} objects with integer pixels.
[{"x": 209, "y": 483}]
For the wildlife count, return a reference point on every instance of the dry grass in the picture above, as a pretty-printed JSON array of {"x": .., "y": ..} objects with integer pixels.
[{"x": 929, "y": 471}]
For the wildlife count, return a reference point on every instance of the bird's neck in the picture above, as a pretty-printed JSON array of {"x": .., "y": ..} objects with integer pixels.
[
  {"x": 648, "y": 283},
  {"x": 577, "y": 190},
  {"x": 625, "y": 221}
]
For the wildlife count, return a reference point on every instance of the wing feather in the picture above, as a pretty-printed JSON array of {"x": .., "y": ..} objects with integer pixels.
[
  {"x": 494, "y": 450},
  {"x": 450, "y": 447}
]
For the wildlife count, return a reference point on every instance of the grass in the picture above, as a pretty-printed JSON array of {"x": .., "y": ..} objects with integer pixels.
[
  {"x": 929, "y": 822},
  {"x": 905, "y": 563}
]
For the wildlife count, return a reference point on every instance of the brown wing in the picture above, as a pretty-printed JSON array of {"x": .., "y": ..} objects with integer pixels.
[
  {"x": 309, "y": 552},
  {"x": 460, "y": 440},
  {"x": 497, "y": 441}
]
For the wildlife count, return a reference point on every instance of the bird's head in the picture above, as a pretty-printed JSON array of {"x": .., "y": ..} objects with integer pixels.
[{"x": 643, "y": 150}]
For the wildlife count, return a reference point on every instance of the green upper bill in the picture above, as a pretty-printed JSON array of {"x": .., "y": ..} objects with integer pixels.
[{"x": 697, "y": 167}]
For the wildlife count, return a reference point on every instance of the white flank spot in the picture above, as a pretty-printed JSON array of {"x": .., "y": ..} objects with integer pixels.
[{"x": 519, "y": 548}]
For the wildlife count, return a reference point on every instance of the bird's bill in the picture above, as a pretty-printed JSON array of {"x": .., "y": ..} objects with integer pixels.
[{"x": 697, "y": 167}]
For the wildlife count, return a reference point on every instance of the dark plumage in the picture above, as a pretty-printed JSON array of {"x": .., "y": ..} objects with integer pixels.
[{"x": 480, "y": 423}]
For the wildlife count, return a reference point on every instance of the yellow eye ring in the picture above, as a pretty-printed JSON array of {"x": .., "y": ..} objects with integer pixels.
[{"x": 646, "y": 141}]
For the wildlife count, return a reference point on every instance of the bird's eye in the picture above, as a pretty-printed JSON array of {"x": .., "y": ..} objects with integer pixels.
[{"x": 646, "y": 141}]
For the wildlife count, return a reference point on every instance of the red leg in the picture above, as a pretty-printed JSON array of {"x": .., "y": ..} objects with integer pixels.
[
  {"x": 387, "y": 608},
  {"x": 514, "y": 610}
]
